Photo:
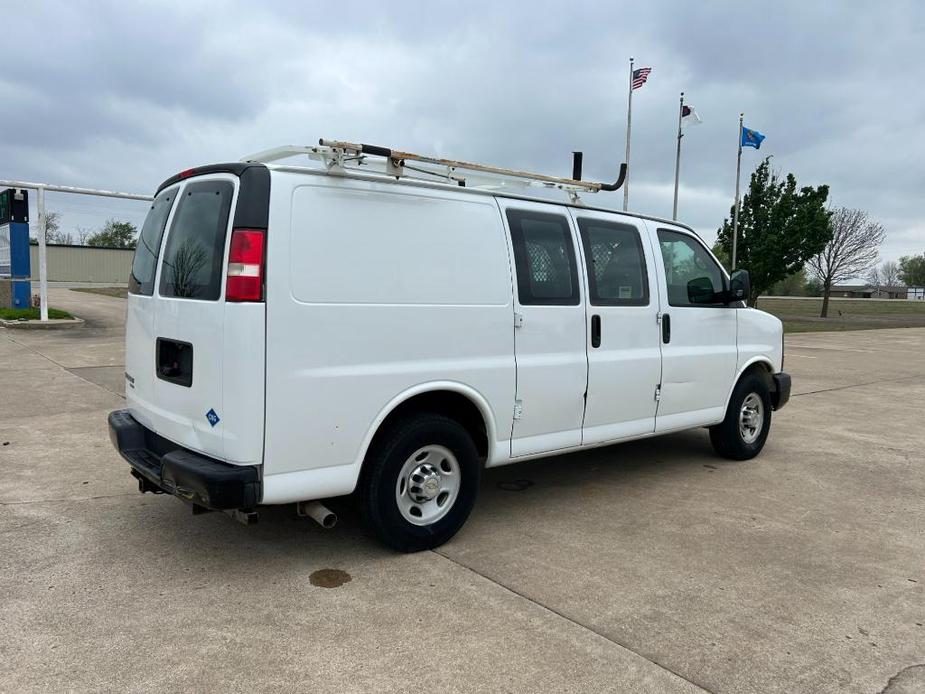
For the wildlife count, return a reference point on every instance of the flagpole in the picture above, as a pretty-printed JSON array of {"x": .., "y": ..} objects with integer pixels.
[
  {"x": 629, "y": 128},
  {"x": 735, "y": 211},
  {"x": 677, "y": 160}
]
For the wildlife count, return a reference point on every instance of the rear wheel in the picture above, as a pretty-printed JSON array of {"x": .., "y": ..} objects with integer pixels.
[
  {"x": 742, "y": 434},
  {"x": 420, "y": 482}
]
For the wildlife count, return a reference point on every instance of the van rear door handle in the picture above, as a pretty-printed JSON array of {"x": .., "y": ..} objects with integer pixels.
[
  {"x": 595, "y": 331},
  {"x": 666, "y": 328}
]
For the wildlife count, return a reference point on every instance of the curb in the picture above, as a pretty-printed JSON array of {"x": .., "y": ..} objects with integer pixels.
[{"x": 51, "y": 324}]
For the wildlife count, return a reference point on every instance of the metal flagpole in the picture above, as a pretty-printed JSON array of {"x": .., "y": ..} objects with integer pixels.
[
  {"x": 735, "y": 211},
  {"x": 677, "y": 160},
  {"x": 629, "y": 128}
]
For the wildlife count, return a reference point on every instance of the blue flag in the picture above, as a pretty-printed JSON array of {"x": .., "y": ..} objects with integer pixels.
[{"x": 751, "y": 138}]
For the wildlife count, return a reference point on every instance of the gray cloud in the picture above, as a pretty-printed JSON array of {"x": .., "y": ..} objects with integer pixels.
[{"x": 123, "y": 95}]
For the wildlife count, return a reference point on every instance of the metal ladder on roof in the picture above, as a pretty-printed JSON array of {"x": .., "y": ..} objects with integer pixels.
[{"x": 340, "y": 157}]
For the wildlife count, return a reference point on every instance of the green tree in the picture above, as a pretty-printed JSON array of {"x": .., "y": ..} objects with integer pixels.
[
  {"x": 115, "y": 234},
  {"x": 912, "y": 270},
  {"x": 795, "y": 285},
  {"x": 780, "y": 228}
]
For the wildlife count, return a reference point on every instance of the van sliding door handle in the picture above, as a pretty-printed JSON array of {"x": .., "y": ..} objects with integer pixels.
[
  {"x": 595, "y": 331},
  {"x": 666, "y": 328}
]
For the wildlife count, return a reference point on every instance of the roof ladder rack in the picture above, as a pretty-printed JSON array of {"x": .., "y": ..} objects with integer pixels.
[{"x": 337, "y": 155}]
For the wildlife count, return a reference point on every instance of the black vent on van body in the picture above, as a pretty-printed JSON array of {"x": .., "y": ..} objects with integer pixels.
[{"x": 253, "y": 206}]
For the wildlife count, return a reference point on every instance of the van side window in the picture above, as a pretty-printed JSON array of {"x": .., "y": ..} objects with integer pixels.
[
  {"x": 195, "y": 250},
  {"x": 544, "y": 258},
  {"x": 148, "y": 248},
  {"x": 693, "y": 277},
  {"x": 616, "y": 263}
]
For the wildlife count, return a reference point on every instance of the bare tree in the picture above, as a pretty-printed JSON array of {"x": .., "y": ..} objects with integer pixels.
[
  {"x": 852, "y": 251},
  {"x": 889, "y": 273},
  {"x": 82, "y": 234},
  {"x": 874, "y": 278},
  {"x": 52, "y": 226}
]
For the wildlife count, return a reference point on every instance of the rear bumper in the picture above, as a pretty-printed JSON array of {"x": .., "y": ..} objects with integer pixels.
[
  {"x": 162, "y": 466},
  {"x": 781, "y": 394}
]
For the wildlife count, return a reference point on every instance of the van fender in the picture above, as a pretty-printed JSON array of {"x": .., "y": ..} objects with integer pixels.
[
  {"x": 745, "y": 367},
  {"x": 470, "y": 393}
]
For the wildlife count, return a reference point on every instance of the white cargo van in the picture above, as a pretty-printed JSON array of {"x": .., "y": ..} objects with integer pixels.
[{"x": 302, "y": 332}]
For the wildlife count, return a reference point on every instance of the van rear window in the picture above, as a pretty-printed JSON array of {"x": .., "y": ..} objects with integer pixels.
[
  {"x": 195, "y": 250},
  {"x": 144, "y": 263}
]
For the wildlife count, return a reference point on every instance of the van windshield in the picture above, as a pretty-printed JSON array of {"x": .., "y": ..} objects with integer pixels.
[
  {"x": 195, "y": 251},
  {"x": 149, "y": 244}
]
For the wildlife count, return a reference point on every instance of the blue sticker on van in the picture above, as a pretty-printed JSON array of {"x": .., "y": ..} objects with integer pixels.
[{"x": 213, "y": 417}]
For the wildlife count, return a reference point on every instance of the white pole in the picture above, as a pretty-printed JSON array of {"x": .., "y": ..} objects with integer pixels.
[
  {"x": 629, "y": 128},
  {"x": 735, "y": 211},
  {"x": 677, "y": 160},
  {"x": 31, "y": 185},
  {"x": 43, "y": 266}
]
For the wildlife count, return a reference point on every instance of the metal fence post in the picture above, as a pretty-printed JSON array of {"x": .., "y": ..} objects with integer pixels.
[{"x": 43, "y": 266}]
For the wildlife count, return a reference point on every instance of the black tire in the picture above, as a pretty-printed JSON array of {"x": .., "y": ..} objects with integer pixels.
[
  {"x": 727, "y": 437},
  {"x": 381, "y": 471}
]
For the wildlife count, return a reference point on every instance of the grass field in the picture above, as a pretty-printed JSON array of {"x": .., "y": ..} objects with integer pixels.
[
  {"x": 31, "y": 313},
  {"x": 802, "y": 315}
]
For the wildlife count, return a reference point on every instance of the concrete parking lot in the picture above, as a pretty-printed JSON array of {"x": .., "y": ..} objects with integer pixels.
[{"x": 651, "y": 566}]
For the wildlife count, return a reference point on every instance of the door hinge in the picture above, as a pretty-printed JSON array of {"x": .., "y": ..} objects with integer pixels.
[
  {"x": 518, "y": 409},
  {"x": 518, "y": 320},
  {"x": 658, "y": 318},
  {"x": 658, "y": 392}
]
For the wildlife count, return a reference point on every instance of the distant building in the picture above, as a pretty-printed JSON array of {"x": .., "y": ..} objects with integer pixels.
[
  {"x": 915, "y": 293},
  {"x": 867, "y": 291}
]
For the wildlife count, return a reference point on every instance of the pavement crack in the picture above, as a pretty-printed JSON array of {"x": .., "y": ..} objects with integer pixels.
[
  {"x": 584, "y": 627},
  {"x": 896, "y": 680},
  {"x": 859, "y": 385},
  {"x": 63, "y": 499}
]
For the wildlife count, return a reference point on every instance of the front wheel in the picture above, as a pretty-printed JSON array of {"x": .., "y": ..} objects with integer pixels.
[
  {"x": 420, "y": 482},
  {"x": 741, "y": 435}
]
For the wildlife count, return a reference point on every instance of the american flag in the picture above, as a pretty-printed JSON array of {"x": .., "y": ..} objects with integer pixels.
[{"x": 640, "y": 76}]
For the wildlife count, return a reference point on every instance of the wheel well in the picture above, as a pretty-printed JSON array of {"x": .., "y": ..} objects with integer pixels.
[
  {"x": 455, "y": 406},
  {"x": 763, "y": 369}
]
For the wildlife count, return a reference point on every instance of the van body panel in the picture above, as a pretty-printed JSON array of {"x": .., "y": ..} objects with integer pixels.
[
  {"x": 139, "y": 358},
  {"x": 700, "y": 357},
  {"x": 368, "y": 298},
  {"x": 625, "y": 360},
  {"x": 552, "y": 361},
  {"x": 759, "y": 338}
]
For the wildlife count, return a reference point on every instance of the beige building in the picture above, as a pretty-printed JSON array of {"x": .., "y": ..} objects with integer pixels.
[
  {"x": 866, "y": 291},
  {"x": 109, "y": 266}
]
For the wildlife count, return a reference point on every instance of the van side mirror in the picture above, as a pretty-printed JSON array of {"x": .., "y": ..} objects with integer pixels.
[
  {"x": 740, "y": 286},
  {"x": 700, "y": 291}
]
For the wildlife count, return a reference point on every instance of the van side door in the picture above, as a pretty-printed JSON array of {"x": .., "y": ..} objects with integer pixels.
[
  {"x": 699, "y": 350},
  {"x": 624, "y": 355},
  {"x": 549, "y": 332}
]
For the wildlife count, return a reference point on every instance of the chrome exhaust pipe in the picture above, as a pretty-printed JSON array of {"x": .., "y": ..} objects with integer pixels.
[{"x": 318, "y": 512}]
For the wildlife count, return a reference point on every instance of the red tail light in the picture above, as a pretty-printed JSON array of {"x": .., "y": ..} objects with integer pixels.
[{"x": 246, "y": 266}]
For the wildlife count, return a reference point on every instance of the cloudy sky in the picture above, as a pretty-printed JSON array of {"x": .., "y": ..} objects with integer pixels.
[{"x": 121, "y": 95}]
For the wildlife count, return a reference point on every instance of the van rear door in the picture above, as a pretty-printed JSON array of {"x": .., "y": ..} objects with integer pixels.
[{"x": 204, "y": 352}]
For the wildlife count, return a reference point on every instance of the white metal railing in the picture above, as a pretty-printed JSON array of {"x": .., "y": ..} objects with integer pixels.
[{"x": 40, "y": 189}]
